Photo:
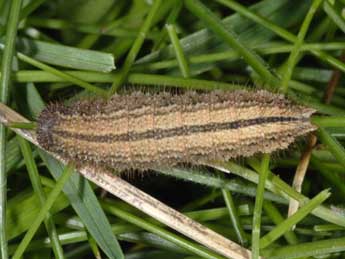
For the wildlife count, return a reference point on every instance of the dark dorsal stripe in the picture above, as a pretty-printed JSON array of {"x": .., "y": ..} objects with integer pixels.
[{"x": 174, "y": 132}]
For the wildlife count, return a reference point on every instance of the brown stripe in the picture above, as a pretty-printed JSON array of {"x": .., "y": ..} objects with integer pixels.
[{"x": 178, "y": 131}]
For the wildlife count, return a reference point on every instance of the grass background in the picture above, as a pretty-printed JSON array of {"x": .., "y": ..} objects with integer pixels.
[{"x": 62, "y": 50}]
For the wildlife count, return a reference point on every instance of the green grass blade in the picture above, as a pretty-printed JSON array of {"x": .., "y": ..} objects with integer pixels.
[
  {"x": 135, "y": 78},
  {"x": 277, "y": 218},
  {"x": 291, "y": 62},
  {"x": 334, "y": 14},
  {"x": 61, "y": 74},
  {"x": 135, "y": 47},
  {"x": 204, "y": 41},
  {"x": 86, "y": 205},
  {"x": 36, "y": 184},
  {"x": 23, "y": 209},
  {"x": 264, "y": 172},
  {"x": 332, "y": 121},
  {"x": 278, "y": 186},
  {"x": 234, "y": 185},
  {"x": 330, "y": 176},
  {"x": 286, "y": 225},
  {"x": 183, "y": 64},
  {"x": 334, "y": 146},
  {"x": 6, "y": 70},
  {"x": 314, "y": 249},
  {"x": 230, "y": 37},
  {"x": 182, "y": 242},
  {"x": 282, "y": 32},
  {"x": 69, "y": 57},
  {"x": 234, "y": 217},
  {"x": 13, "y": 155},
  {"x": 67, "y": 172}
]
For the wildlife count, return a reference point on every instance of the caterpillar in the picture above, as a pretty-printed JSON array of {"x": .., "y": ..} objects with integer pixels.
[{"x": 143, "y": 131}]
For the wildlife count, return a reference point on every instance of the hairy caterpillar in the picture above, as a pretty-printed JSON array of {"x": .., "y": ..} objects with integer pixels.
[{"x": 142, "y": 131}]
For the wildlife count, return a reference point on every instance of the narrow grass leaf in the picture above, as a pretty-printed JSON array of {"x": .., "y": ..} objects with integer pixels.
[
  {"x": 273, "y": 212},
  {"x": 231, "y": 38},
  {"x": 37, "y": 186},
  {"x": 135, "y": 78},
  {"x": 235, "y": 220},
  {"x": 314, "y": 249},
  {"x": 330, "y": 176},
  {"x": 67, "y": 172},
  {"x": 58, "y": 73},
  {"x": 133, "y": 52},
  {"x": 6, "y": 71},
  {"x": 333, "y": 10},
  {"x": 183, "y": 64},
  {"x": 334, "y": 146},
  {"x": 13, "y": 154},
  {"x": 333, "y": 121},
  {"x": 65, "y": 56},
  {"x": 292, "y": 60},
  {"x": 204, "y": 41},
  {"x": 182, "y": 242},
  {"x": 264, "y": 172},
  {"x": 287, "y": 224},
  {"x": 23, "y": 209},
  {"x": 278, "y": 186},
  {"x": 86, "y": 205},
  {"x": 211, "y": 180}
]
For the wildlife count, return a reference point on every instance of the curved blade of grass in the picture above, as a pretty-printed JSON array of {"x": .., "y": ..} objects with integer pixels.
[
  {"x": 320, "y": 106},
  {"x": 292, "y": 60},
  {"x": 235, "y": 220},
  {"x": 230, "y": 37},
  {"x": 176, "y": 9},
  {"x": 6, "y": 69},
  {"x": 287, "y": 224},
  {"x": 278, "y": 186},
  {"x": 330, "y": 176},
  {"x": 23, "y": 209},
  {"x": 133, "y": 52},
  {"x": 67, "y": 172},
  {"x": 183, "y": 64},
  {"x": 61, "y": 74},
  {"x": 66, "y": 56},
  {"x": 334, "y": 146},
  {"x": 135, "y": 78},
  {"x": 13, "y": 155},
  {"x": 282, "y": 32},
  {"x": 182, "y": 242},
  {"x": 333, "y": 14},
  {"x": 305, "y": 74},
  {"x": 203, "y": 40},
  {"x": 333, "y": 121},
  {"x": 273, "y": 212},
  {"x": 250, "y": 33},
  {"x": 36, "y": 184},
  {"x": 312, "y": 249},
  {"x": 217, "y": 182},
  {"x": 86, "y": 205},
  {"x": 264, "y": 172}
]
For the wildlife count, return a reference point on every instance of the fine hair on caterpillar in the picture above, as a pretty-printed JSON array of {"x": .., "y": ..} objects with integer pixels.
[{"x": 159, "y": 130}]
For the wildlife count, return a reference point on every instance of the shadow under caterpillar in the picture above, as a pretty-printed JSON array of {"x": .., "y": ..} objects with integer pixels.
[{"x": 142, "y": 131}]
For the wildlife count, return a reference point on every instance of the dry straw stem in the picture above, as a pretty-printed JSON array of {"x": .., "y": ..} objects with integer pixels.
[
  {"x": 142, "y": 201},
  {"x": 301, "y": 171}
]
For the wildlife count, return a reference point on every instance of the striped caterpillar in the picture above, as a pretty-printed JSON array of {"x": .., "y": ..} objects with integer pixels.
[{"x": 142, "y": 131}]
